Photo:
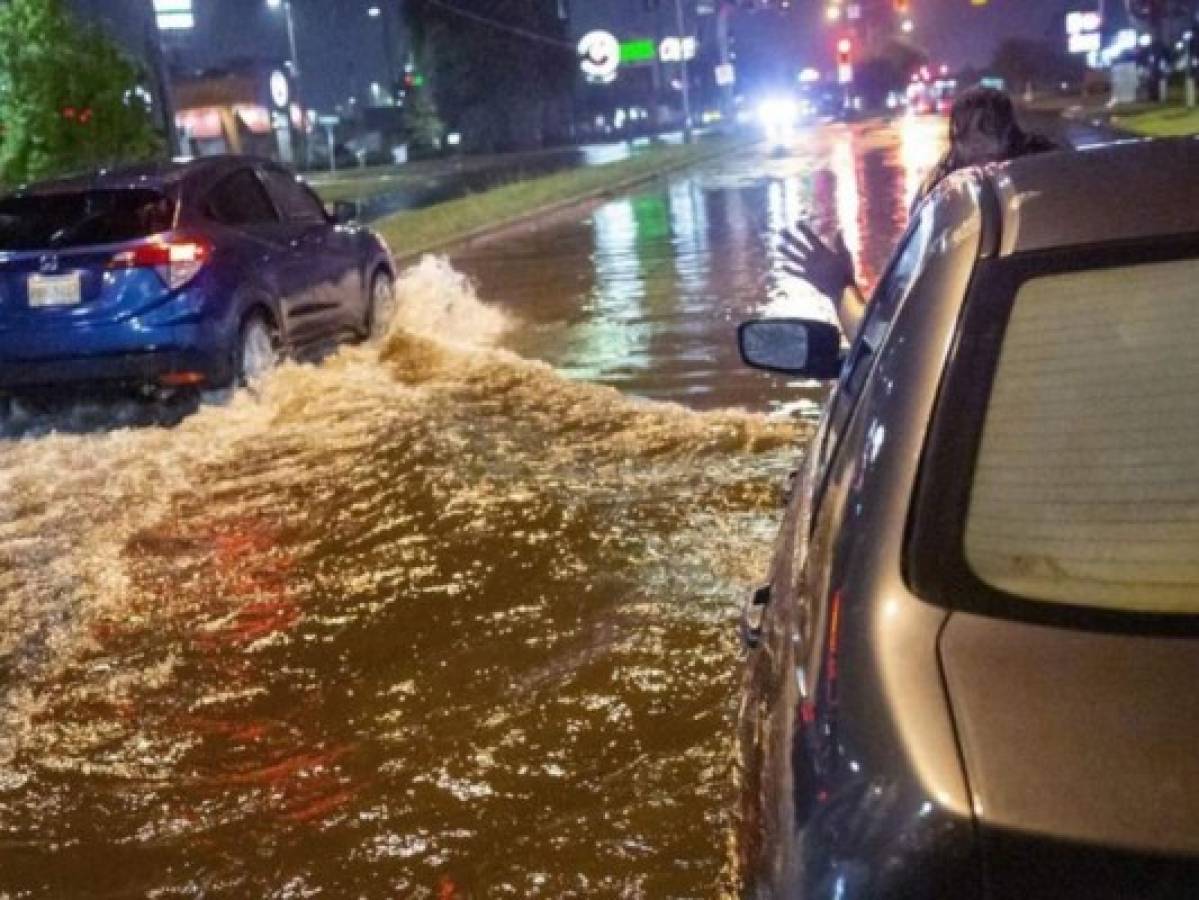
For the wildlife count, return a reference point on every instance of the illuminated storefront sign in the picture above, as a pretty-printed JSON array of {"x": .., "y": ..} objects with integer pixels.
[{"x": 599, "y": 56}]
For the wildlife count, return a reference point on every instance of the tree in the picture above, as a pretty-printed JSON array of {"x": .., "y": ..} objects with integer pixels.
[
  {"x": 875, "y": 78},
  {"x": 890, "y": 71},
  {"x": 1020, "y": 62},
  {"x": 422, "y": 126},
  {"x": 500, "y": 75},
  {"x": 69, "y": 97}
]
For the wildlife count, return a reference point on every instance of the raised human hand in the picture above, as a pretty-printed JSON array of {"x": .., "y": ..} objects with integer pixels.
[{"x": 827, "y": 269}]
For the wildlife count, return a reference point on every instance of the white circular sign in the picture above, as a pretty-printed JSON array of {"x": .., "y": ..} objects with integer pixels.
[
  {"x": 280, "y": 89},
  {"x": 600, "y": 55}
]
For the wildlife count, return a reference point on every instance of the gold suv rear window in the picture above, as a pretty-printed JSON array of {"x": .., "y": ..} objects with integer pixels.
[{"x": 1086, "y": 490}]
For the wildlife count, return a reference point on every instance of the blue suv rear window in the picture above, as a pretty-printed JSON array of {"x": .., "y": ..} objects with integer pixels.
[{"x": 82, "y": 218}]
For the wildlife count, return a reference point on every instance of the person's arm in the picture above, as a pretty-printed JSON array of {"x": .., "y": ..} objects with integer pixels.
[
  {"x": 827, "y": 269},
  {"x": 851, "y": 310}
]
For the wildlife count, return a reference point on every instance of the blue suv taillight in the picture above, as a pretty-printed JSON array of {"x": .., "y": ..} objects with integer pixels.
[{"x": 177, "y": 259}]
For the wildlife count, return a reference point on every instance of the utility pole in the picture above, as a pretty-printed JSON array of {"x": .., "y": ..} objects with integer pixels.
[
  {"x": 295, "y": 136},
  {"x": 291, "y": 39},
  {"x": 162, "y": 79},
  {"x": 389, "y": 53},
  {"x": 1192, "y": 57},
  {"x": 724, "y": 49},
  {"x": 1154, "y": 14},
  {"x": 686, "y": 78},
  {"x": 656, "y": 75}
]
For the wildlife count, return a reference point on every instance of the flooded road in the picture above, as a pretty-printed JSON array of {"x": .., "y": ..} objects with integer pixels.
[
  {"x": 644, "y": 293},
  {"x": 450, "y": 617}
]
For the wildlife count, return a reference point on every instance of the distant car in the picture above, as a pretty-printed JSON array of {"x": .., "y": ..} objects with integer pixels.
[
  {"x": 779, "y": 116},
  {"x": 973, "y": 665},
  {"x": 172, "y": 276}
]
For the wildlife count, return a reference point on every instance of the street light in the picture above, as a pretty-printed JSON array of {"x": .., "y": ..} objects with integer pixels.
[
  {"x": 285, "y": 5},
  {"x": 377, "y": 13}
]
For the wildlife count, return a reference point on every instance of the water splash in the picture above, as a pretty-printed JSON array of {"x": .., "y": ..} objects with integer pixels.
[
  {"x": 437, "y": 302},
  {"x": 430, "y": 600}
]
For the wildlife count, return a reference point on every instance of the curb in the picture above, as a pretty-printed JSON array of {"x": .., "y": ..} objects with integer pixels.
[{"x": 494, "y": 229}]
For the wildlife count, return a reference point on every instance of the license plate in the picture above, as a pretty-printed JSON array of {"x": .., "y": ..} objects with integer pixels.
[{"x": 55, "y": 290}]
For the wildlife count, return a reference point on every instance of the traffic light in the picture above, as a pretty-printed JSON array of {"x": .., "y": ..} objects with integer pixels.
[
  {"x": 844, "y": 61},
  {"x": 902, "y": 7}
]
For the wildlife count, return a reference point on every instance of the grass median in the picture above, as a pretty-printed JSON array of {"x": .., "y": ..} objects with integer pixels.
[
  {"x": 413, "y": 232},
  {"x": 364, "y": 187},
  {"x": 422, "y": 174},
  {"x": 1160, "y": 121}
]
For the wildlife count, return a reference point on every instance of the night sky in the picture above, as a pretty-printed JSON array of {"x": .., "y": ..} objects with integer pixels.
[
  {"x": 952, "y": 30},
  {"x": 341, "y": 48}
]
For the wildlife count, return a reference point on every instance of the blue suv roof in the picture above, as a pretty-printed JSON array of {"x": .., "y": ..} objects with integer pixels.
[{"x": 153, "y": 175}]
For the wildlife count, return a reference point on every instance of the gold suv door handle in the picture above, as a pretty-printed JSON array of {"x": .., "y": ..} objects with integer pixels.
[{"x": 753, "y": 614}]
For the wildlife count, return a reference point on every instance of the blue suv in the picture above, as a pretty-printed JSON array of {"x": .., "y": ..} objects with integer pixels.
[{"x": 179, "y": 276}]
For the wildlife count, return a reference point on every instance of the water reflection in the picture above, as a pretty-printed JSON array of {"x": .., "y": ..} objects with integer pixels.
[
  {"x": 644, "y": 293},
  {"x": 843, "y": 167},
  {"x": 690, "y": 236},
  {"x": 427, "y": 621},
  {"x": 616, "y": 302}
]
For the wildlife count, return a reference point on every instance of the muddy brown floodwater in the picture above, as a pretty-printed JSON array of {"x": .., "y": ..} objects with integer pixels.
[{"x": 449, "y": 617}]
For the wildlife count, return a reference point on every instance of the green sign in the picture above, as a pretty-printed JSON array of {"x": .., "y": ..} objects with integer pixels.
[{"x": 638, "y": 51}]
